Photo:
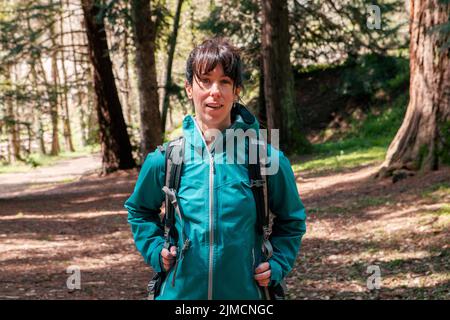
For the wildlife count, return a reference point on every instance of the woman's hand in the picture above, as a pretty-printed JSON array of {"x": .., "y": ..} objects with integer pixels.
[
  {"x": 168, "y": 258},
  {"x": 262, "y": 274}
]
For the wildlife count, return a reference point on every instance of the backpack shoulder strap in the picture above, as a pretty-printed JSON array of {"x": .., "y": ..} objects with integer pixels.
[
  {"x": 259, "y": 185},
  {"x": 174, "y": 154}
]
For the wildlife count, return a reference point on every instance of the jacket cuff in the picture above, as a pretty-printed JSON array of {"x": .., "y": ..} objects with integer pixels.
[
  {"x": 275, "y": 273},
  {"x": 155, "y": 259}
]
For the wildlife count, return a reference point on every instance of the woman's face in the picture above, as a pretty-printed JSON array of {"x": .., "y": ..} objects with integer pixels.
[{"x": 213, "y": 98}]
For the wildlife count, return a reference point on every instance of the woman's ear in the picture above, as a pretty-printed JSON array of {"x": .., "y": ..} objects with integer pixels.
[
  {"x": 188, "y": 88},
  {"x": 237, "y": 91}
]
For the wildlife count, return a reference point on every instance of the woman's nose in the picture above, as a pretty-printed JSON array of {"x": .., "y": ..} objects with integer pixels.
[{"x": 215, "y": 90}]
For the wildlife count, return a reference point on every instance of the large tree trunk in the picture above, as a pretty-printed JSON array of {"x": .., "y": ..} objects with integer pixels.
[
  {"x": 168, "y": 75},
  {"x": 422, "y": 141},
  {"x": 278, "y": 76},
  {"x": 114, "y": 139},
  {"x": 150, "y": 117}
]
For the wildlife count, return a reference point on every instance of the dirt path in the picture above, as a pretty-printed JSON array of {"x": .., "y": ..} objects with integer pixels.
[
  {"x": 353, "y": 222},
  {"x": 13, "y": 184}
]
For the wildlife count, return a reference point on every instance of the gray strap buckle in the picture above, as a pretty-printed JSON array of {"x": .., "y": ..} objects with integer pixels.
[
  {"x": 257, "y": 183},
  {"x": 267, "y": 249},
  {"x": 171, "y": 193}
]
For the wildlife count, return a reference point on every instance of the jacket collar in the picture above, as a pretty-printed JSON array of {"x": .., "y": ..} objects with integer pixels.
[{"x": 241, "y": 119}]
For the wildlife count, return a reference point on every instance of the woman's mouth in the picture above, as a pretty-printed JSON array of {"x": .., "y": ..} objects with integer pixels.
[{"x": 214, "y": 105}]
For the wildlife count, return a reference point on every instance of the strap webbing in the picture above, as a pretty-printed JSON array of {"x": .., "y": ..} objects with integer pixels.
[{"x": 174, "y": 161}]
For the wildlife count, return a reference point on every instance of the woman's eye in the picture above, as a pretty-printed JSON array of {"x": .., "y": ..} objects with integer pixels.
[
  {"x": 226, "y": 81},
  {"x": 204, "y": 80}
]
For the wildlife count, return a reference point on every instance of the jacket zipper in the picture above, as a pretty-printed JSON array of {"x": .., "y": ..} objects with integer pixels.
[
  {"x": 211, "y": 212},
  {"x": 211, "y": 227}
]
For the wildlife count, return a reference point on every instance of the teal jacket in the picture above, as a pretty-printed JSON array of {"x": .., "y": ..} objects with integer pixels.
[{"x": 219, "y": 217}]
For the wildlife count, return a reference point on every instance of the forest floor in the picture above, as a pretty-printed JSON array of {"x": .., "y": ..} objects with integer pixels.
[{"x": 355, "y": 225}]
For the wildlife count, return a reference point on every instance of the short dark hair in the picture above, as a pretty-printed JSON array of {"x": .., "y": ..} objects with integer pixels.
[{"x": 206, "y": 56}]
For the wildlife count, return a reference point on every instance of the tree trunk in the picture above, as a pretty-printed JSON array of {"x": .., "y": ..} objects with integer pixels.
[
  {"x": 77, "y": 79},
  {"x": 65, "y": 100},
  {"x": 11, "y": 123},
  {"x": 37, "y": 107},
  {"x": 54, "y": 107},
  {"x": 38, "y": 111},
  {"x": 54, "y": 92},
  {"x": 93, "y": 136},
  {"x": 262, "y": 112},
  {"x": 127, "y": 84},
  {"x": 168, "y": 75},
  {"x": 150, "y": 118},
  {"x": 278, "y": 76},
  {"x": 114, "y": 139},
  {"x": 422, "y": 142}
]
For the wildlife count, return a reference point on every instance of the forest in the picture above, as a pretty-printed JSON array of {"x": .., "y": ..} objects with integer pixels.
[{"x": 359, "y": 90}]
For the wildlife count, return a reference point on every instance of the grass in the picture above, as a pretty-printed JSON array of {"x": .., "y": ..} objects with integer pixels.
[
  {"x": 437, "y": 192},
  {"x": 365, "y": 142},
  {"x": 444, "y": 210},
  {"x": 342, "y": 160},
  {"x": 38, "y": 160}
]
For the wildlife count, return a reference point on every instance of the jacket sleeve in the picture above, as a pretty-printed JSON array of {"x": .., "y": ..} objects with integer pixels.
[
  {"x": 289, "y": 218},
  {"x": 144, "y": 207}
]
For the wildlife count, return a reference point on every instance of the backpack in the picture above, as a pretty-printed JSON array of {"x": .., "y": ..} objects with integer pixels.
[{"x": 174, "y": 154}]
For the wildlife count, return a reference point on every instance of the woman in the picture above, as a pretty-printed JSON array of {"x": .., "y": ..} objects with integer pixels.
[{"x": 224, "y": 259}]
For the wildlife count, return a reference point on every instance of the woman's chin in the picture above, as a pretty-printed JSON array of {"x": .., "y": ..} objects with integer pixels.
[{"x": 213, "y": 120}]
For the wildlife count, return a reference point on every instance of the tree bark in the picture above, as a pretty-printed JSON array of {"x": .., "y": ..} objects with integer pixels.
[
  {"x": 422, "y": 142},
  {"x": 150, "y": 118},
  {"x": 77, "y": 78},
  {"x": 278, "y": 76},
  {"x": 262, "y": 112},
  {"x": 127, "y": 84},
  {"x": 11, "y": 123},
  {"x": 114, "y": 139},
  {"x": 67, "y": 130},
  {"x": 38, "y": 111},
  {"x": 54, "y": 94},
  {"x": 168, "y": 75}
]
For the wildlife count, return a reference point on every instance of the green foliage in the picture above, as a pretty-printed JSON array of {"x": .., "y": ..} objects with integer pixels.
[
  {"x": 443, "y": 30},
  {"x": 118, "y": 14},
  {"x": 377, "y": 130},
  {"x": 335, "y": 30},
  {"x": 240, "y": 22},
  {"x": 371, "y": 73},
  {"x": 365, "y": 141},
  {"x": 32, "y": 161},
  {"x": 443, "y": 151},
  {"x": 423, "y": 153},
  {"x": 300, "y": 144}
]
